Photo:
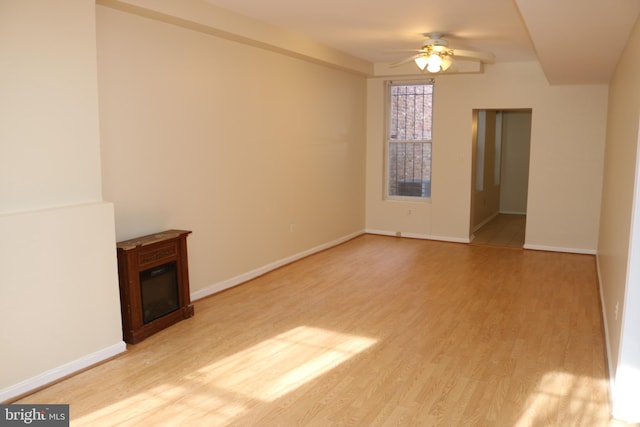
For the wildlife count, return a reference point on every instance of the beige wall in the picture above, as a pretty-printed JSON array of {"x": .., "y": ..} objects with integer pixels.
[
  {"x": 59, "y": 300},
  {"x": 203, "y": 16},
  {"x": 617, "y": 259},
  {"x": 50, "y": 152},
  {"x": 516, "y": 145},
  {"x": 485, "y": 203},
  {"x": 59, "y": 303},
  {"x": 566, "y": 157},
  {"x": 260, "y": 154}
]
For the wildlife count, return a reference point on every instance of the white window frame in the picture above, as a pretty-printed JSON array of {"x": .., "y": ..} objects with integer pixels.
[{"x": 388, "y": 141}]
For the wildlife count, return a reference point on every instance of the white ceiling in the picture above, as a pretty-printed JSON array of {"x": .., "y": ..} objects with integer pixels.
[{"x": 576, "y": 41}]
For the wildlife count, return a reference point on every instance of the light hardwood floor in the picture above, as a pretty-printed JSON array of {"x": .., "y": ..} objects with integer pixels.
[
  {"x": 377, "y": 331},
  {"x": 504, "y": 230}
]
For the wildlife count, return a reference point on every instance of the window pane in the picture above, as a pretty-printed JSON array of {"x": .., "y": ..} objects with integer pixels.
[
  {"x": 410, "y": 112},
  {"x": 410, "y": 169},
  {"x": 409, "y": 140}
]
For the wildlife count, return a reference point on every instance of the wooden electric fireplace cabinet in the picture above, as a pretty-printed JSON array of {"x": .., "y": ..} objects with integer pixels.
[{"x": 154, "y": 283}]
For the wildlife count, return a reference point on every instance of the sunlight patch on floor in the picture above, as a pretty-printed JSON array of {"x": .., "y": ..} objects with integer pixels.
[
  {"x": 283, "y": 363},
  {"x": 161, "y": 404},
  {"x": 574, "y": 396},
  {"x": 228, "y": 388}
]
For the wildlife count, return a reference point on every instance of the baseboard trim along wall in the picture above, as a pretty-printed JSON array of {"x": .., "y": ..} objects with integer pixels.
[
  {"x": 468, "y": 240},
  {"x": 606, "y": 332},
  {"x": 237, "y": 280},
  {"x": 486, "y": 221},
  {"x": 418, "y": 236},
  {"x": 55, "y": 374},
  {"x": 560, "y": 249}
]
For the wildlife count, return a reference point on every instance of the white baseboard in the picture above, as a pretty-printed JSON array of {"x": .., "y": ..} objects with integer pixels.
[
  {"x": 417, "y": 236},
  {"x": 606, "y": 332},
  {"x": 235, "y": 281},
  {"x": 449, "y": 239},
  {"x": 382, "y": 232},
  {"x": 513, "y": 213},
  {"x": 486, "y": 221},
  {"x": 468, "y": 240},
  {"x": 560, "y": 249},
  {"x": 59, "y": 372}
]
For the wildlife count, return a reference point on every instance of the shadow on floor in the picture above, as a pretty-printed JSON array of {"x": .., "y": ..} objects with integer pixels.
[{"x": 504, "y": 230}]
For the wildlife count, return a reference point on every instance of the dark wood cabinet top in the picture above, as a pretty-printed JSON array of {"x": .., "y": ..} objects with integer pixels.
[{"x": 126, "y": 245}]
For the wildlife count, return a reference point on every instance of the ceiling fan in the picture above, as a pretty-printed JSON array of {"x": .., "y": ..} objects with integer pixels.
[{"x": 436, "y": 56}]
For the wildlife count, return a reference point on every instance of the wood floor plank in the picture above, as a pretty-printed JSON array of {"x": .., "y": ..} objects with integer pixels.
[
  {"x": 377, "y": 331},
  {"x": 507, "y": 230}
]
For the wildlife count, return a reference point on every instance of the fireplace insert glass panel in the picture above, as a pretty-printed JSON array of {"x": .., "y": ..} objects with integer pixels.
[{"x": 159, "y": 289}]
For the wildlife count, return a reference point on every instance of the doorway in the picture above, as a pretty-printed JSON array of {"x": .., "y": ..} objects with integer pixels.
[{"x": 501, "y": 142}]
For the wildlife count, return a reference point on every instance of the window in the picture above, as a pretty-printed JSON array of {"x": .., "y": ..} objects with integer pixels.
[{"x": 409, "y": 139}]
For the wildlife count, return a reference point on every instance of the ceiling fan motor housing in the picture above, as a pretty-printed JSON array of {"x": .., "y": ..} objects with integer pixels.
[{"x": 434, "y": 42}]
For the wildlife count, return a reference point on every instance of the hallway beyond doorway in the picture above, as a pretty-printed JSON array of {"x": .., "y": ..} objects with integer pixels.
[{"x": 504, "y": 230}]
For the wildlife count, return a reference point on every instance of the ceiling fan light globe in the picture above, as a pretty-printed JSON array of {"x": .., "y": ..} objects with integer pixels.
[
  {"x": 434, "y": 63},
  {"x": 421, "y": 62}
]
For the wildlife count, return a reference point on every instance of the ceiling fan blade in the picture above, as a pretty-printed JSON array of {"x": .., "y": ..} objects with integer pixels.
[
  {"x": 472, "y": 54},
  {"x": 404, "y": 61},
  {"x": 408, "y": 50}
]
